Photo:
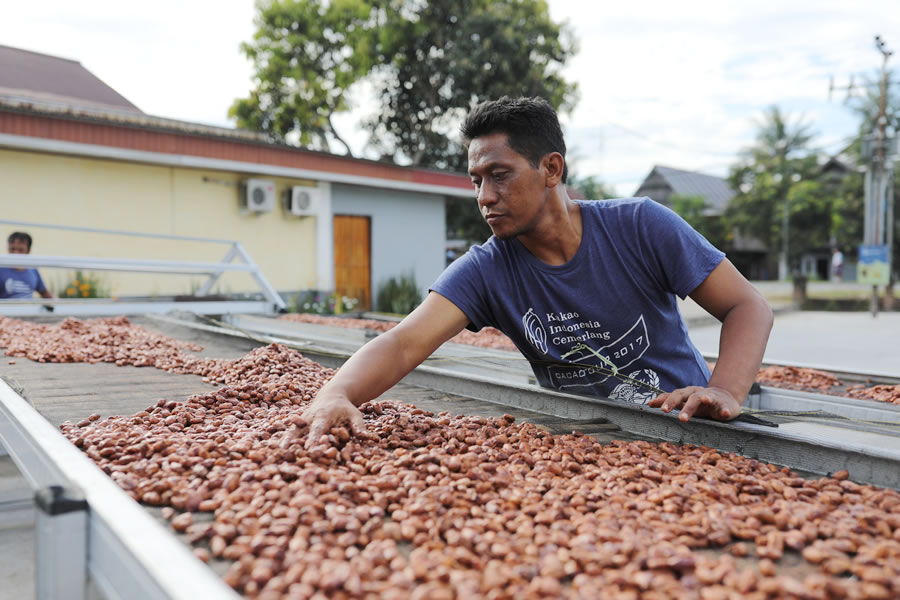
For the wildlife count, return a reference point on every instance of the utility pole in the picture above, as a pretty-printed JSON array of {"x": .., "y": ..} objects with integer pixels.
[
  {"x": 783, "y": 265},
  {"x": 877, "y": 188}
]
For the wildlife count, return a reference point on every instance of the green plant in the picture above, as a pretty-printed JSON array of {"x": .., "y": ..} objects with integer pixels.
[
  {"x": 84, "y": 285},
  {"x": 399, "y": 295},
  {"x": 320, "y": 303}
]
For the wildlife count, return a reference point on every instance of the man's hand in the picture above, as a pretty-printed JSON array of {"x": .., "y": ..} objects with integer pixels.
[
  {"x": 321, "y": 415},
  {"x": 695, "y": 400}
]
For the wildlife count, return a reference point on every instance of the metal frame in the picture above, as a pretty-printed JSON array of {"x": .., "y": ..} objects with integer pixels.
[
  {"x": 816, "y": 448},
  {"x": 865, "y": 415},
  {"x": 214, "y": 270},
  {"x": 82, "y": 308},
  {"x": 129, "y": 554}
]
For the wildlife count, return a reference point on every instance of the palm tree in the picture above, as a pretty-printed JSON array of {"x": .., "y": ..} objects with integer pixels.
[{"x": 779, "y": 149}]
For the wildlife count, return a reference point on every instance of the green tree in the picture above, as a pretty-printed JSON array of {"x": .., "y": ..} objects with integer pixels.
[
  {"x": 306, "y": 54},
  {"x": 867, "y": 105},
  {"x": 780, "y": 159},
  {"x": 591, "y": 187},
  {"x": 464, "y": 221},
  {"x": 431, "y": 60},
  {"x": 694, "y": 210}
]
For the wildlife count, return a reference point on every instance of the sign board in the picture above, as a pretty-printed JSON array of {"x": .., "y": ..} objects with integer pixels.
[{"x": 873, "y": 267}]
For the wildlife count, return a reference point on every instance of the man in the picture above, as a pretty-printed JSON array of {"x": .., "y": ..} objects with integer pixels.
[
  {"x": 19, "y": 282},
  {"x": 586, "y": 290},
  {"x": 837, "y": 265}
]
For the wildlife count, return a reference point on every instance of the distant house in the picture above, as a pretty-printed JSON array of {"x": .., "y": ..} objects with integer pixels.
[
  {"x": 49, "y": 79},
  {"x": 76, "y": 153},
  {"x": 664, "y": 182},
  {"x": 749, "y": 255}
]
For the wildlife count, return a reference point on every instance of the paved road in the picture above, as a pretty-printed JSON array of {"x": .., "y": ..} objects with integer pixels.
[{"x": 851, "y": 341}]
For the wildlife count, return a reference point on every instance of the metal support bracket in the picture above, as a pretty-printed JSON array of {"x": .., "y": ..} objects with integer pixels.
[{"x": 60, "y": 544}]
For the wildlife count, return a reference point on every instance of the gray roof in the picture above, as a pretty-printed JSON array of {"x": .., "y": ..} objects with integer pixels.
[
  {"x": 688, "y": 183},
  {"x": 26, "y": 74}
]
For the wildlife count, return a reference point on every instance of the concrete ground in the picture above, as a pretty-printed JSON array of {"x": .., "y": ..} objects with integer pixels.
[{"x": 845, "y": 341}]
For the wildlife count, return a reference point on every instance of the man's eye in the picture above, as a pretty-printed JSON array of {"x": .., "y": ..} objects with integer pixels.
[{"x": 500, "y": 175}]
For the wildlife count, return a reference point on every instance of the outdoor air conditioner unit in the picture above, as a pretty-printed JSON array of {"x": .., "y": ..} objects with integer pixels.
[
  {"x": 259, "y": 195},
  {"x": 303, "y": 201}
]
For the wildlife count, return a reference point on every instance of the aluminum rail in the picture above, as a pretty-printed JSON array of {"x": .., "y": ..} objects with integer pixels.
[
  {"x": 213, "y": 270},
  {"x": 865, "y": 415},
  {"x": 61, "y": 307},
  {"x": 161, "y": 236},
  {"x": 848, "y": 376},
  {"x": 129, "y": 555},
  {"x": 871, "y": 457},
  {"x": 120, "y": 264}
]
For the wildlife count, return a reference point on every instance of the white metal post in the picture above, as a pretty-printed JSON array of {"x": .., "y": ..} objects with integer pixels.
[
  {"x": 60, "y": 544},
  {"x": 207, "y": 287},
  {"x": 269, "y": 292}
]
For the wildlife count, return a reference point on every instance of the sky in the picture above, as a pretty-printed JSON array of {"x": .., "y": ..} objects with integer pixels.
[{"x": 680, "y": 84}]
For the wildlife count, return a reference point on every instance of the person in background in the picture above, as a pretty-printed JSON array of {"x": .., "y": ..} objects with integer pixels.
[
  {"x": 18, "y": 282},
  {"x": 837, "y": 265}
]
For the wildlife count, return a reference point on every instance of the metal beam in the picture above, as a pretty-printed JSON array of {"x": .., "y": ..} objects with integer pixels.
[
  {"x": 109, "y": 307},
  {"x": 129, "y": 554},
  {"x": 815, "y": 453},
  {"x": 121, "y": 264},
  {"x": 818, "y": 450}
]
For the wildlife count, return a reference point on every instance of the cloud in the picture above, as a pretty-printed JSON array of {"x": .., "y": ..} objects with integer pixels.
[{"x": 681, "y": 84}]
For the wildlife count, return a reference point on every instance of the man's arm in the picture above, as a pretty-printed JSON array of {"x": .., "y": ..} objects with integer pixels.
[
  {"x": 746, "y": 322},
  {"x": 41, "y": 287},
  {"x": 381, "y": 363}
]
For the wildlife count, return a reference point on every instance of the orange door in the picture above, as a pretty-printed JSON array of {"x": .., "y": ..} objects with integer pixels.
[{"x": 352, "y": 265}]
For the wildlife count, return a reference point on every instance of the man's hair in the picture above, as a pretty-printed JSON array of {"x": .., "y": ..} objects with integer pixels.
[
  {"x": 19, "y": 236},
  {"x": 530, "y": 125}
]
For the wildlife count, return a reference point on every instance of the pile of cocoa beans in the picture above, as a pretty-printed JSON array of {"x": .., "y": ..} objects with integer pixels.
[
  {"x": 804, "y": 379},
  {"x": 440, "y": 506},
  {"x": 111, "y": 340}
]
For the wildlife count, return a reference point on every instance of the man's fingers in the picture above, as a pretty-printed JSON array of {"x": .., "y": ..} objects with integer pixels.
[
  {"x": 316, "y": 431},
  {"x": 658, "y": 401},
  {"x": 690, "y": 407},
  {"x": 359, "y": 426},
  {"x": 291, "y": 434},
  {"x": 726, "y": 410},
  {"x": 675, "y": 400},
  {"x": 360, "y": 431}
]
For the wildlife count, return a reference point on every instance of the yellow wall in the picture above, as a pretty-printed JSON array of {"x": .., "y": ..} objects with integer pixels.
[{"x": 106, "y": 194}]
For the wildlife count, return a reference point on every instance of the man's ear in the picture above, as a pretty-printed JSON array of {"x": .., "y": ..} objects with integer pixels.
[{"x": 553, "y": 164}]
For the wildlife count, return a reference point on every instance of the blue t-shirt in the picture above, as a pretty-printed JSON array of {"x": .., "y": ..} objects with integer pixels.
[
  {"x": 606, "y": 319},
  {"x": 20, "y": 284}
]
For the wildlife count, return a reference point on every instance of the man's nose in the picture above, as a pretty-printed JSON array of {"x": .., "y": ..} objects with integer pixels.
[{"x": 487, "y": 195}]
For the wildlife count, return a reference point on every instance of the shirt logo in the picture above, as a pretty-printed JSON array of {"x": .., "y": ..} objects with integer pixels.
[
  {"x": 15, "y": 287},
  {"x": 534, "y": 331},
  {"x": 612, "y": 357}
]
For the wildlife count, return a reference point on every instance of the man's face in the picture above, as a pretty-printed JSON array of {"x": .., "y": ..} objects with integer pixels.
[
  {"x": 18, "y": 247},
  {"x": 510, "y": 192}
]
